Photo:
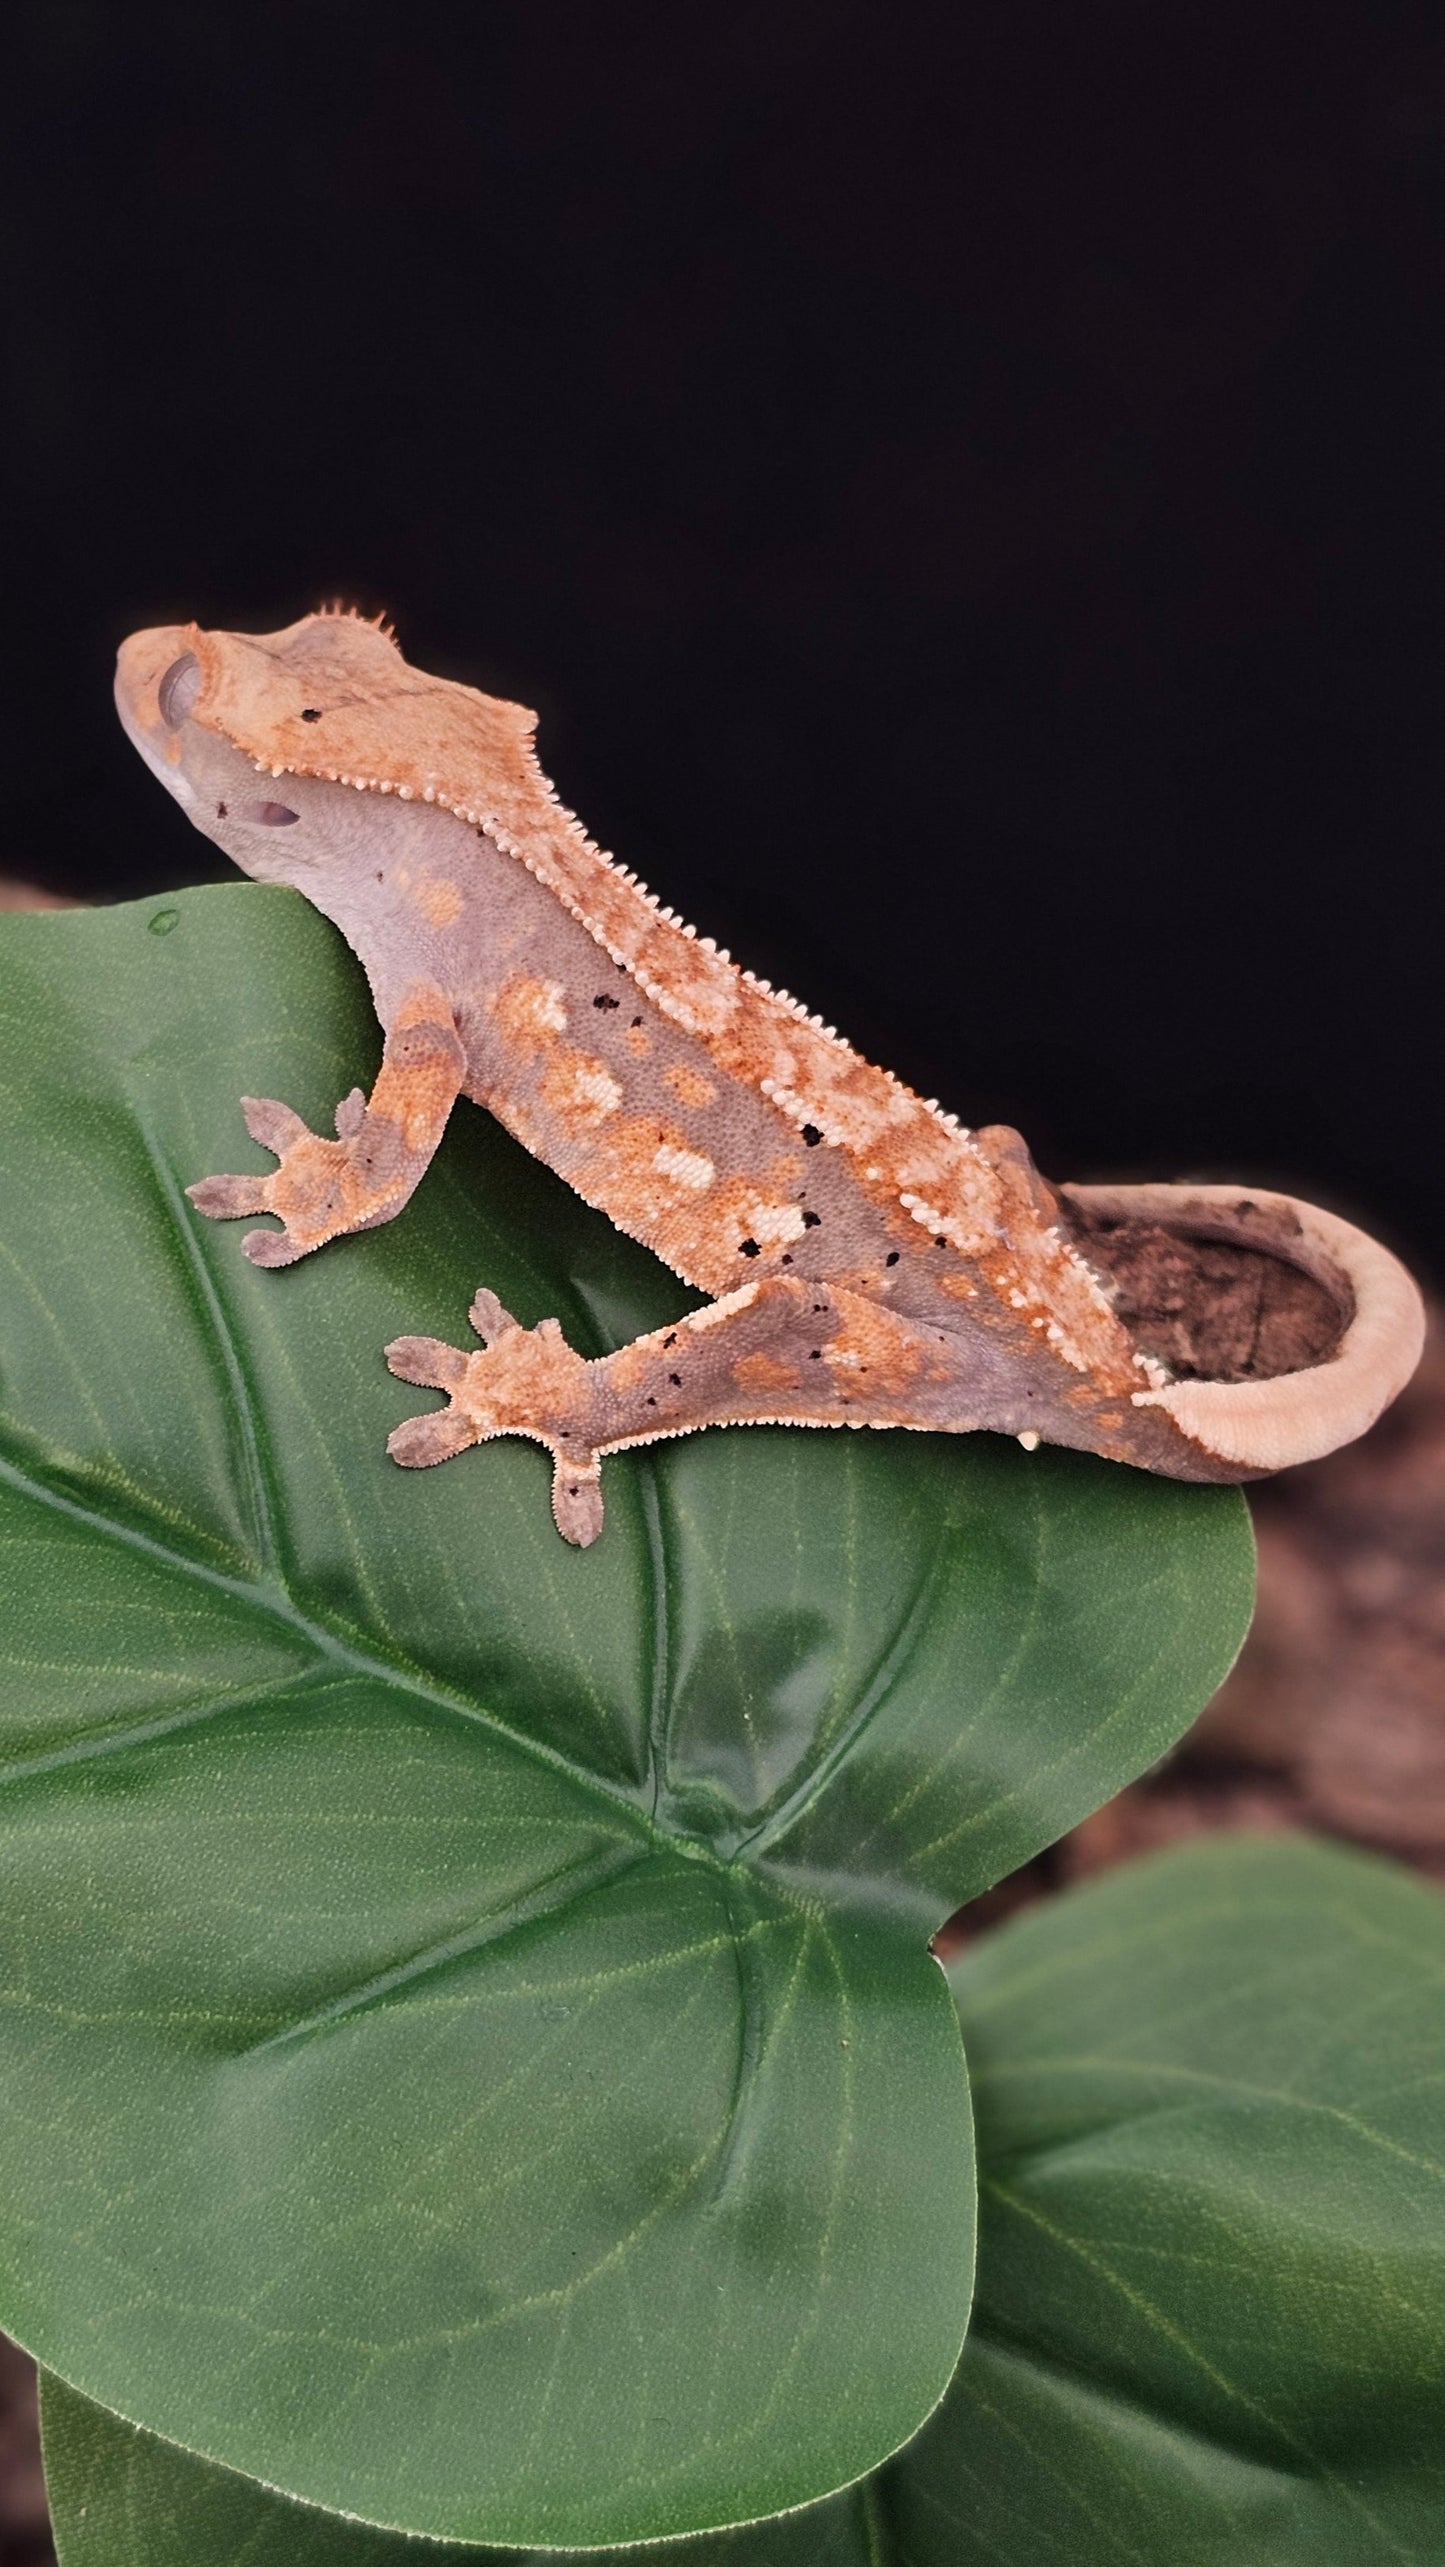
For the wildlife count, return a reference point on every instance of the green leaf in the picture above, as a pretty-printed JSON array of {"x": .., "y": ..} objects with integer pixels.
[
  {"x": 469, "y": 2052},
  {"x": 121, "y": 2498},
  {"x": 1211, "y": 2323}
]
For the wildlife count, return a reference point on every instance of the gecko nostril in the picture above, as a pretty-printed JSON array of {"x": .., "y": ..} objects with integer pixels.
[
  {"x": 271, "y": 815},
  {"x": 178, "y": 689}
]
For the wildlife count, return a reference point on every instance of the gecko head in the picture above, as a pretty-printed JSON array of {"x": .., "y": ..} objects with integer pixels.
[
  {"x": 266, "y": 739},
  {"x": 315, "y": 757},
  {"x": 328, "y": 700},
  {"x": 171, "y": 687}
]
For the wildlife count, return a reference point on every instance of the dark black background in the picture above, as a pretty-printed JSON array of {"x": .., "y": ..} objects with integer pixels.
[{"x": 961, "y": 484}]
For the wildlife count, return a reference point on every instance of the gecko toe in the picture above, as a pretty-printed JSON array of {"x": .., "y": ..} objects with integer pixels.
[
  {"x": 577, "y": 1501},
  {"x": 226, "y": 1198},
  {"x": 488, "y": 1317},
  {"x": 419, "y": 1441},
  {"x": 271, "y": 1248},
  {"x": 426, "y": 1360},
  {"x": 272, "y": 1124}
]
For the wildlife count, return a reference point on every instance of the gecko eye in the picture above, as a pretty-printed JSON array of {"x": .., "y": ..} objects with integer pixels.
[
  {"x": 178, "y": 689},
  {"x": 272, "y": 815}
]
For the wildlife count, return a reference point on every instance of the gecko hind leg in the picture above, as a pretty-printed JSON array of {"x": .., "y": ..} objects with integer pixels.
[{"x": 779, "y": 1352}]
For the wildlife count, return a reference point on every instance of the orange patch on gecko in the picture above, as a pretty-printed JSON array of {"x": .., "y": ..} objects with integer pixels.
[
  {"x": 416, "y": 1085},
  {"x": 688, "y": 1085},
  {"x": 1044, "y": 1288},
  {"x": 578, "y": 1089},
  {"x": 527, "y": 1382},
  {"x": 875, "y": 1346},
  {"x": 439, "y": 901},
  {"x": 528, "y": 1011},
  {"x": 765, "y": 1372},
  {"x": 717, "y": 1231},
  {"x": 318, "y": 1193},
  {"x": 1025, "y": 1277},
  {"x": 424, "y": 1004},
  {"x": 698, "y": 991},
  {"x": 612, "y": 1161},
  {"x": 650, "y": 1181},
  {"x": 632, "y": 1365}
]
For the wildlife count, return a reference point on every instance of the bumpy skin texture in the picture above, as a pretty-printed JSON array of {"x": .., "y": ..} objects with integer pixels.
[{"x": 870, "y": 1262}]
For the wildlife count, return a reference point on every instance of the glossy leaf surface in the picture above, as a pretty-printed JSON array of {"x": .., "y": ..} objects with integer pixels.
[
  {"x": 1212, "y": 2307},
  {"x": 468, "y": 2048},
  {"x": 1210, "y": 2324},
  {"x": 121, "y": 2498}
]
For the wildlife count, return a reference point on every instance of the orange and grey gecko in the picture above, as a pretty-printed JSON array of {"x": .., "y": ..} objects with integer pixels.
[{"x": 870, "y": 1262}]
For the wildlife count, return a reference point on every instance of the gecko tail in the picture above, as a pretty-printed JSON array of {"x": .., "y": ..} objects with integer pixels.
[{"x": 1335, "y": 1365}]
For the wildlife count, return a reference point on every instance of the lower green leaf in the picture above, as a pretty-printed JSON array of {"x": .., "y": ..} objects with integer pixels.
[
  {"x": 1211, "y": 2323},
  {"x": 121, "y": 2498}
]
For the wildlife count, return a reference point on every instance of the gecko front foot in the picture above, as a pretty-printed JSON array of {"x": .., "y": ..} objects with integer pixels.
[
  {"x": 524, "y": 1381},
  {"x": 321, "y": 1188}
]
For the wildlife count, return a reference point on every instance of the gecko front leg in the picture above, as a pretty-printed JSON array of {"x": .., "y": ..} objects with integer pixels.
[
  {"x": 323, "y": 1189},
  {"x": 783, "y": 1351}
]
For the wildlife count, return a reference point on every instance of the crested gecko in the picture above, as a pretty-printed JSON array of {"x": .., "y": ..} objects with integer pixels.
[{"x": 869, "y": 1261}]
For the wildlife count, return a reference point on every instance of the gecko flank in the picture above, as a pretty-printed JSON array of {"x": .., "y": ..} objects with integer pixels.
[{"x": 869, "y": 1261}]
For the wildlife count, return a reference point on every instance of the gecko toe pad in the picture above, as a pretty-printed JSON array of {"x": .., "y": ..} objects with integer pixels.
[
  {"x": 428, "y": 1361},
  {"x": 271, "y": 1248},
  {"x": 321, "y": 1189},
  {"x": 419, "y": 1441},
  {"x": 577, "y": 1499},
  {"x": 227, "y": 1198},
  {"x": 274, "y": 1125}
]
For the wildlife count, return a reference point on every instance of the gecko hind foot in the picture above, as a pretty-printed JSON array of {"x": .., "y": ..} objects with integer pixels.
[{"x": 526, "y": 1381}]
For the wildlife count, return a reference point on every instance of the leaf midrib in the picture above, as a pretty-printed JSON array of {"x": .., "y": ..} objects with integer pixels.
[{"x": 273, "y": 1599}]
